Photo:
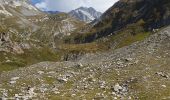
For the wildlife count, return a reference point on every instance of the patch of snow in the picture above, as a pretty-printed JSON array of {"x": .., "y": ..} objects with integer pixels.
[{"x": 86, "y": 14}]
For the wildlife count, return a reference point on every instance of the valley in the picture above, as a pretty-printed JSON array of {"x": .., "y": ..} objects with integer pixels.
[{"x": 121, "y": 54}]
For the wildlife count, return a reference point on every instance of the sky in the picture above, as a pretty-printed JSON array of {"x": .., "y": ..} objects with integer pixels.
[{"x": 68, "y": 5}]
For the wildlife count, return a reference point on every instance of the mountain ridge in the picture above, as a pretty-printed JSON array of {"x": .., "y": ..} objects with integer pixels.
[
  {"x": 85, "y": 14},
  {"x": 152, "y": 14},
  {"x": 53, "y": 12},
  {"x": 29, "y": 36}
]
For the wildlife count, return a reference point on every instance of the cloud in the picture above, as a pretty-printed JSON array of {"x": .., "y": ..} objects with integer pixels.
[
  {"x": 101, "y": 5},
  {"x": 41, "y": 5},
  {"x": 67, "y": 5}
]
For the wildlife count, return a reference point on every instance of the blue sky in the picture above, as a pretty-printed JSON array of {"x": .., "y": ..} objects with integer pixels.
[{"x": 68, "y": 5}]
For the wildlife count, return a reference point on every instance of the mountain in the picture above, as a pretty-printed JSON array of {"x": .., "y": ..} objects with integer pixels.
[
  {"x": 17, "y": 14},
  {"x": 17, "y": 22},
  {"x": 25, "y": 23},
  {"x": 85, "y": 14},
  {"x": 18, "y": 7},
  {"x": 28, "y": 35},
  {"x": 152, "y": 14},
  {"x": 53, "y": 12},
  {"x": 56, "y": 26}
]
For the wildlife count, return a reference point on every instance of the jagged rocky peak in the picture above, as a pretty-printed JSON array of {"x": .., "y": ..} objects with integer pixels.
[{"x": 85, "y": 14}]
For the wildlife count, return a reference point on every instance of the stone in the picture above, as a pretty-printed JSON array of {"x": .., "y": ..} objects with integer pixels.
[
  {"x": 62, "y": 80},
  {"x": 113, "y": 93},
  {"x": 68, "y": 75},
  {"x": 12, "y": 82},
  {"x": 73, "y": 95},
  {"x": 162, "y": 74},
  {"x": 167, "y": 33},
  {"x": 163, "y": 86},
  {"x": 15, "y": 78},
  {"x": 128, "y": 59},
  {"x": 102, "y": 84},
  {"x": 79, "y": 65},
  {"x": 56, "y": 92},
  {"x": 40, "y": 72},
  {"x": 7, "y": 61},
  {"x": 117, "y": 88},
  {"x": 120, "y": 89},
  {"x": 51, "y": 72},
  {"x": 129, "y": 98},
  {"x": 31, "y": 91},
  {"x": 16, "y": 97}
]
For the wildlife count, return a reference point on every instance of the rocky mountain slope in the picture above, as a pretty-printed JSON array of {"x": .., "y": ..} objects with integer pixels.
[
  {"x": 139, "y": 71},
  {"x": 28, "y": 35},
  {"x": 14, "y": 13},
  {"x": 152, "y": 13},
  {"x": 54, "y": 27},
  {"x": 18, "y": 7},
  {"x": 85, "y": 14},
  {"x": 22, "y": 22},
  {"x": 16, "y": 23}
]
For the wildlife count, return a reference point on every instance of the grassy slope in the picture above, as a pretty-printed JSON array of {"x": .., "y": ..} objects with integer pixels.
[
  {"x": 10, "y": 61},
  {"x": 122, "y": 38}
]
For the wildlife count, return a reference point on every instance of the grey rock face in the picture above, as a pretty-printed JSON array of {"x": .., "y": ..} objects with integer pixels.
[{"x": 85, "y": 14}]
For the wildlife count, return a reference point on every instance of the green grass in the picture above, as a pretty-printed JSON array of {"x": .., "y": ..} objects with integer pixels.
[
  {"x": 10, "y": 65},
  {"x": 86, "y": 47},
  {"x": 133, "y": 38},
  {"x": 30, "y": 57},
  {"x": 36, "y": 55},
  {"x": 48, "y": 80}
]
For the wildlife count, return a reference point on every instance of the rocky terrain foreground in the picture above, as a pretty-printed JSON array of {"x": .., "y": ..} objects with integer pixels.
[{"x": 140, "y": 71}]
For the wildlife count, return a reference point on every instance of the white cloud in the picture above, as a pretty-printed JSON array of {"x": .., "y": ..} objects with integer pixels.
[
  {"x": 41, "y": 5},
  {"x": 101, "y": 5},
  {"x": 67, "y": 5}
]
